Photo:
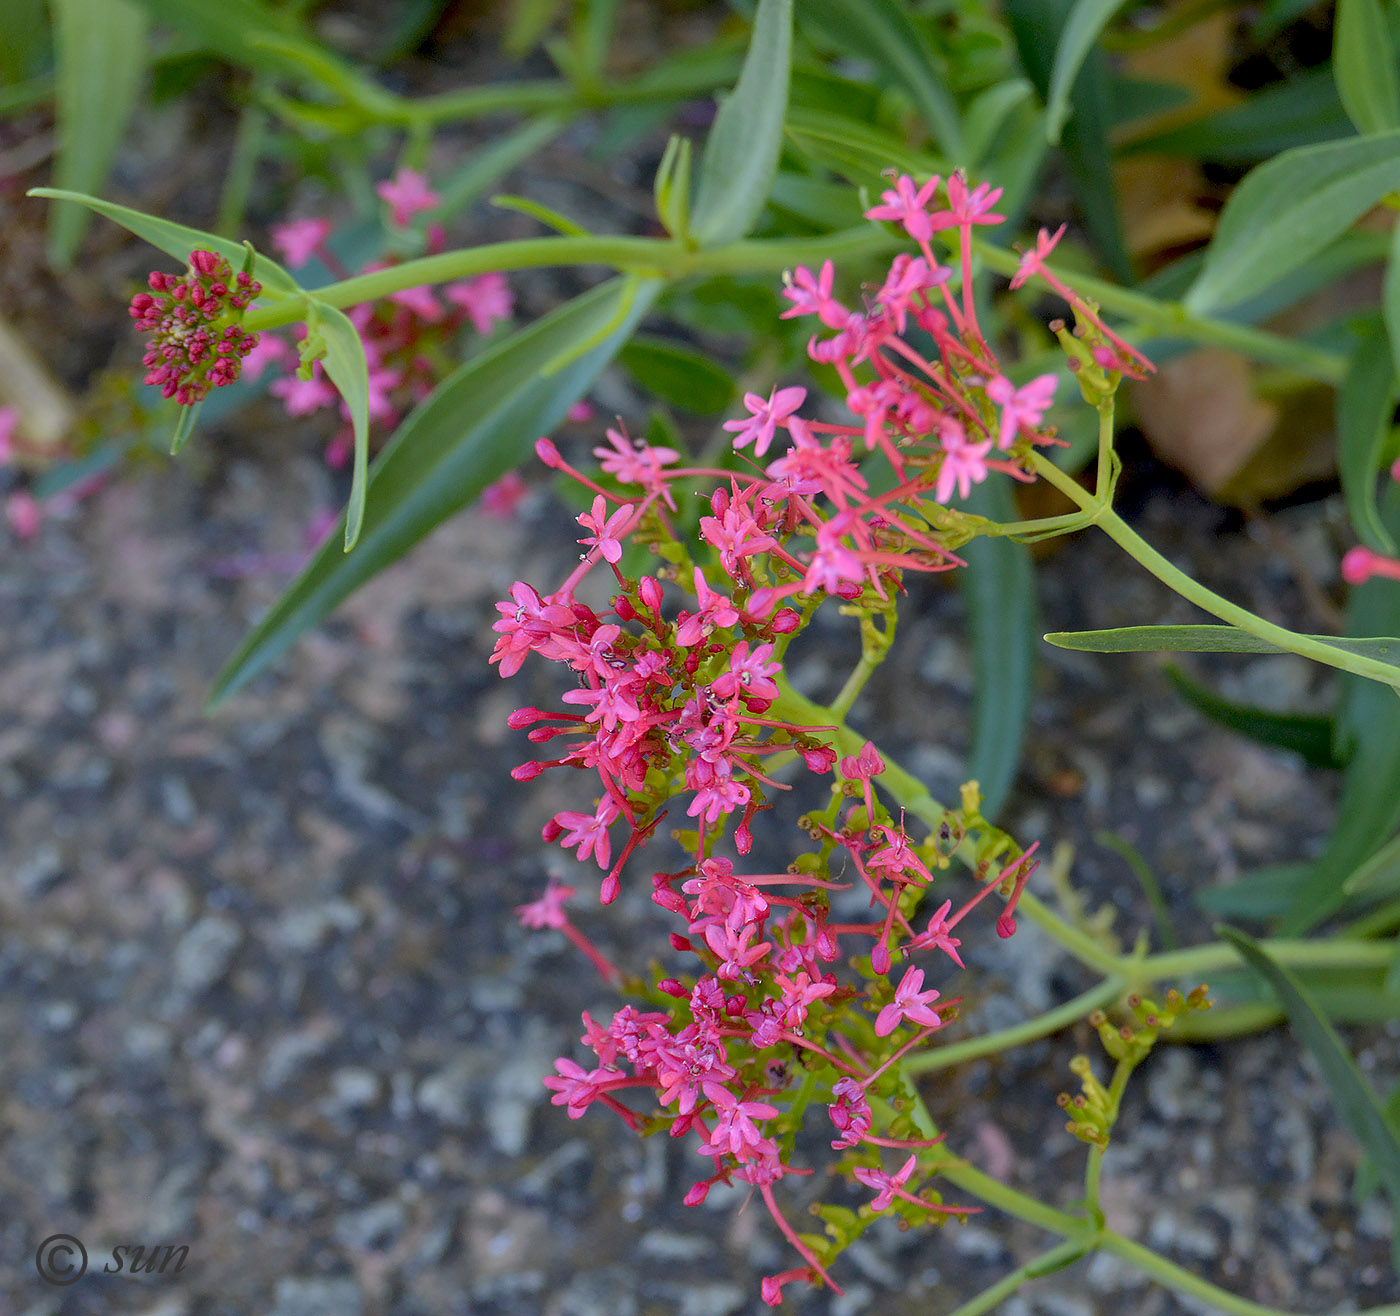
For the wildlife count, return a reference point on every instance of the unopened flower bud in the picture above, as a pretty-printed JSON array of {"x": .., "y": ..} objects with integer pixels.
[
  {"x": 548, "y": 454},
  {"x": 785, "y": 621},
  {"x": 527, "y": 771},
  {"x": 672, "y": 987}
]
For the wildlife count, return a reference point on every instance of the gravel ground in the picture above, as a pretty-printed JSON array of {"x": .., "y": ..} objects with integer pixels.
[{"x": 263, "y": 994}]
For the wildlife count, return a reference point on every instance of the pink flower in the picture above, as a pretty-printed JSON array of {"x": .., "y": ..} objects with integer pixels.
[
  {"x": 938, "y": 934},
  {"x": 715, "y": 610},
  {"x": 548, "y": 910},
  {"x": 811, "y": 295},
  {"x": 420, "y": 301},
  {"x": 269, "y": 350},
  {"x": 580, "y": 413},
  {"x": 588, "y": 831},
  {"x": 964, "y": 463},
  {"x": 1032, "y": 262},
  {"x": 24, "y": 514},
  {"x": 1022, "y": 408},
  {"x": 967, "y": 207},
  {"x": 1359, "y": 564},
  {"x": 749, "y": 673},
  {"x": 907, "y": 204},
  {"x": 575, "y": 1087},
  {"x": 303, "y": 396},
  {"x": 502, "y": 498},
  {"x": 605, "y": 528},
  {"x": 487, "y": 299},
  {"x": 909, "y": 1003},
  {"x": 638, "y": 463},
  {"x": 407, "y": 194},
  {"x": 888, "y": 1186},
  {"x": 296, "y": 241},
  {"x": 768, "y": 414}
]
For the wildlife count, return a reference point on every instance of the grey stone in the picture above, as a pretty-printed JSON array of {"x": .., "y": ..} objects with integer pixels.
[
  {"x": 317, "y": 1297},
  {"x": 204, "y": 954}
]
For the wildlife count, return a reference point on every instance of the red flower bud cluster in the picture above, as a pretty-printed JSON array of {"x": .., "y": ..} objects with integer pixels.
[{"x": 198, "y": 340}]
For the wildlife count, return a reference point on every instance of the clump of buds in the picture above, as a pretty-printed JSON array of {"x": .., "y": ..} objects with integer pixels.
[
  {"x": 198, "y": 340},
  {"x": 1094, "y": 1108}
]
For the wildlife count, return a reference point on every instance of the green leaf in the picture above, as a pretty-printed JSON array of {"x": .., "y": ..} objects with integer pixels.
[
  {"x": 1263, "y": 894},
  {"x": 1087, "y": 20},
  {"x": 1035, "y": 27},
  {"x": 1379, "y": 876},
  {"x": 741, "y": 152},
  {"x": 484, "y": 168},
  {"x": 1309, "y": 736},
  {"x": 882, "y": 31},
  {"x": 1391, "y": 298},
  {"x": 855, "y": 150},
  {"x": 546, "y": 215},
  {"x": 184, "y": 427},
  {"x": 178, "y": 241},
  {"x": 678, "y": 375},
  {"x": 1365, "y": 405},
  {"x": 100, "y": 51},
  {"x": 1363, "y": 63},
  {"x": 999, "y": 589},
  {"x": 477, "y": 424},
  {"x": 348, "y": 369},
  {"x": 1210, "y": 639},
  {"x": 246, "y": 32},
  {"x": 1289, "y": 209},
  {"x": 1299, "y": 112},
  {"x": 1353, "y": 1097}
]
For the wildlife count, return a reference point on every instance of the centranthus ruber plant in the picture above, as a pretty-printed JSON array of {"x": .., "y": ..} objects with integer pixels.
[{"x": 781, "y": 1014}]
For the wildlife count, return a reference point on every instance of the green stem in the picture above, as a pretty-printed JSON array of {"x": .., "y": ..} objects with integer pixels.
[
  {"x": 1192, "y": 963},
  {"x": 1173, "y": 319},
  {"x": 1047, "y": 1263},
  {"x": 1079, "y": 944},
  {"x": 1051, "y": 1021},
  {"x": 655, "y": 256},
  {"x": 1138, "y": 548},
  {"x": 1183, "y": 1281}
]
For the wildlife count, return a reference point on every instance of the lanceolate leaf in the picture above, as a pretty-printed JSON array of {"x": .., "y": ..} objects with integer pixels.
[
  {"x": 882, "y": 31},
  {"x": 1391, "y": 301},
  {"x": 678, "y": 374},
  {"x": 476, "y": 425},
  {"x": 177, "y": 240},
  {"x": 348, "y": 370},
  {"x": 1087, "y": 19},
  {"x": 1289, "y": 209},
  {"x": 1379, "y": 876},
  {"x": 1310, "y": 736},
  {"x": 1352, "y": 1095},
  {"x": 741, "y": 152},
  {"x": 1210, "y": 639},
  {"x": 1036, "y": 26},
  {"x": 100, "y": 50},
  {"x": 1365, "y": 405},
  {"x": 1363, "y": 63},
  {"x": 999, "y": 587}
]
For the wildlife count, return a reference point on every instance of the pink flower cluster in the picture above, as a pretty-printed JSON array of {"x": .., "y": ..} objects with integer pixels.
[
  {"x": 406, "y": 335},
  {"x": 198, "y": 341},
  {"x": 683, "y": 703}
]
